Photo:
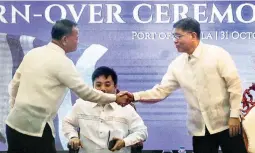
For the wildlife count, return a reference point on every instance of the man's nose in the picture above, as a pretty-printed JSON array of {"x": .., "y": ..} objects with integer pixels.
[
  {"x": 175, "y": 40},
  {"x": 103, "y": 89}
]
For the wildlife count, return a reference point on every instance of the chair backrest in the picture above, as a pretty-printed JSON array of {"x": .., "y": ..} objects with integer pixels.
[{"x": 247, "y": 100}]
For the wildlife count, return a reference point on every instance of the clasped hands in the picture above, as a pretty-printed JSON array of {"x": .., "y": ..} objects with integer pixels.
[{"x": 124, "y": 98}]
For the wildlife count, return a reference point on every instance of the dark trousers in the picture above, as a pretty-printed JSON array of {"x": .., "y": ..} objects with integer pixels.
[
  {"x": 21, "y": 143},
  {"x": 210, "y": 143}
]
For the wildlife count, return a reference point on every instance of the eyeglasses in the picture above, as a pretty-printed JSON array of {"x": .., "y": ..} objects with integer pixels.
[{"x": 178, "y": 36}]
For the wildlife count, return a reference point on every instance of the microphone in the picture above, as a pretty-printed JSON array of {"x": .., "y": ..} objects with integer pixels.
[{"x": 111, "y": 143}]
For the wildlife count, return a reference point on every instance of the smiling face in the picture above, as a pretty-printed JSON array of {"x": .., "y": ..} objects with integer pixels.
[
  {"x": 186, "y": 35},
  {"x": 184, "y": 40},
  {"x": 105, "y": 84}
]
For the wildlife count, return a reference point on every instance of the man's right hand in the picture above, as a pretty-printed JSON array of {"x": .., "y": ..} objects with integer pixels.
[{"x": 75, "y": 143}]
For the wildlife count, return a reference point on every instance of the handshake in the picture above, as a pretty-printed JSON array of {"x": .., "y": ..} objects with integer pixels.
[{"x": 124, "y": 98}]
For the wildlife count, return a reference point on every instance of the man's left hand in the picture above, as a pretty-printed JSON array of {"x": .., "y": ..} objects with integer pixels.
[
  {"x": 234, "y": 127},
  {"x": 118, "y": 145}
]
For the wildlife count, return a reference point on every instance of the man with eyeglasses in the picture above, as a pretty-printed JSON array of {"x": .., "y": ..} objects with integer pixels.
[
  {"x": 101, "y": 123},
  {"x": 212, "y": 88}
]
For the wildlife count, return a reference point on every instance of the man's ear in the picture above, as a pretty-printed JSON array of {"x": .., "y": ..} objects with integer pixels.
[
  {"x": 64, "y": 40},
  {"x": 194, "y": 35}
]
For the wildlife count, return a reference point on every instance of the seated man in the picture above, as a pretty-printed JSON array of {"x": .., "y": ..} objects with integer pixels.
[{"x": 101, "y": 123}]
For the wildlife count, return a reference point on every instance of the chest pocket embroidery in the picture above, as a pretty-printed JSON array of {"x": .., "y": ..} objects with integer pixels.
[
  {"x": 116, "y": 119},
  {"x": 108, "y": 118},
  {"x": 88, "y": 117}
]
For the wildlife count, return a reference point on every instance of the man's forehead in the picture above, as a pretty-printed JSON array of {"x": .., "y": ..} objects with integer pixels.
[
  {"x": 177, "y": 30},
  {"x": 103, "y": 78},
  {"x": 75, "y": 30}
]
